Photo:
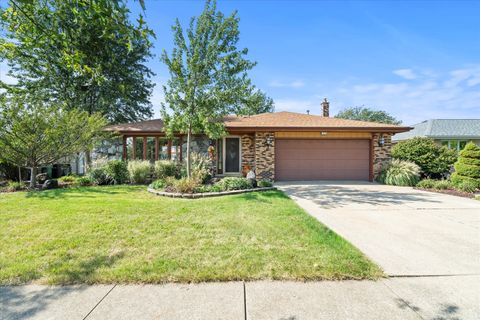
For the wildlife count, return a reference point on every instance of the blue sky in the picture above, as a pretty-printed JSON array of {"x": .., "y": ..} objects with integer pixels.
[{"x": 416, "y": 60}]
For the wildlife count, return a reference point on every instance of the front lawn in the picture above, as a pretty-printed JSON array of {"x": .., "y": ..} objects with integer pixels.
[{"x": 127, "y": 235}]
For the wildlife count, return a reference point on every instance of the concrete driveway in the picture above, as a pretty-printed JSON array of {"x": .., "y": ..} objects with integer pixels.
[{"x": 428, "y": 243}]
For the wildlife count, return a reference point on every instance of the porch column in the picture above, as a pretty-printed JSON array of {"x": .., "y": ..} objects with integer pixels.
[
  {"x": 156, "y": 148},
  {"x": 144, "y": 148},
  {"x": 124, "y": 148},
  {"x": 134, "y": 148}
]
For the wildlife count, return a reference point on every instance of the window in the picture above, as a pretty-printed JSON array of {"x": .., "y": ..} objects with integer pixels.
[{"x": 454, "y": 144}]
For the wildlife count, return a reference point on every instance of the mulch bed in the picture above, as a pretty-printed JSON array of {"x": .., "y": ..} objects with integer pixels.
[
  {"x": 205, "y": 194},
  {"x": 451, "y": 192}
]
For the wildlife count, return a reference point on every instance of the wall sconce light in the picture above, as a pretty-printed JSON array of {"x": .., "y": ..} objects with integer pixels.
[
  {"x": 323, "y": 133},
  {"x": 381, "y": 141}
]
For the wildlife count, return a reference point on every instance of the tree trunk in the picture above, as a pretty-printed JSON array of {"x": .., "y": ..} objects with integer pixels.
[
  {"x": 88, "y": 161},
  {"x": 33, "y": 178},
  {"x": 19, "y": 174},
  {"x": 189, "y": 165}
]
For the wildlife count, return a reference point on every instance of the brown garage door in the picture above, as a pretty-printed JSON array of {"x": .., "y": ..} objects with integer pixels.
[{"x": 322, "y": 159}]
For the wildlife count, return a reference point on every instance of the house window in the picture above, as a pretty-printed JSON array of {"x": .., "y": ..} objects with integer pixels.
[{"x": 454, "y": 144}]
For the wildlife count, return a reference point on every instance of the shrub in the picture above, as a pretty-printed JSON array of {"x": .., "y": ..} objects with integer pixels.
[
  {"x": 84, "y": 181},
  {"x": 158, "y": 184},
  {"x": 200, "y": 167},
  {"x": 467, "y": 168},
  {"x": 68, "y": 179},
  {"x": 442, "y": 185},
  {"x": 434, "y": 160},
  {"x": 400, "y": 173},
  {"x": 139, "y": 171},
  {"x": 182, "y": 185},
  {"x": 166, "y": 168},
  {"x": 15, "y": 186},
  {"x": 117, "y": 171},
  {"x": 99, "y": 176},
  {"x": 208, "y": 188},
  {"x": 234, "y": 183},
  {"x": 426, "y": 184},
  {"x": 467, "y": 186},
  {"x": 264, "y": 183}
]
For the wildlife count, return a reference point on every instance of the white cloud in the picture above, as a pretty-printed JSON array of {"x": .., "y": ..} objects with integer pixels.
[
  {"x": 292, "y": 84},
  {"x": 407, "y": 74}
]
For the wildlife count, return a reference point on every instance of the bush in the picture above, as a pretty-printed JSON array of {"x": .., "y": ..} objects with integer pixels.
[
  {"x": 208, "y": 188},
  {"x": 182, "y": 185},
  {"x": 158, "y": 184},
  {"x": 139, "y": 171},
  {"x": 84, "y": 181},
  {"x": 166, "y": 168},
  {"x": 15, "y": 186},
  {"x": 200, "y": 167},
  {"x": 265, "y": 184},
  {"x": 234, "y": 183},
  {"x": 426, "y": 184},
  {"x": 68, "y": 179},
  {"x": 117, "y": 171},
  {"x": 467, "y": 168},
  {"x": 400, "y": 173},
  {"x": 467, "y": 186},
  {"x": 434, "y": 160},
  {"x": 442, "y": 185},
  {"x": 99, "y": 176}
]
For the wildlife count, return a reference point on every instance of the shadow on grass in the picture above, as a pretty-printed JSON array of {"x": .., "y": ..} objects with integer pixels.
[
  {"x": 79, "y": 192},
  {"x": 18, "y": 302}
]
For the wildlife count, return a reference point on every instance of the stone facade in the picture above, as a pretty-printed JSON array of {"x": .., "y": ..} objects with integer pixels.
[
  {"x": 199, "y": 144},
  {"x": 248, "y": 151},
  {"x": 381, "y": 154},
  {"x": 265, "y": 155}
]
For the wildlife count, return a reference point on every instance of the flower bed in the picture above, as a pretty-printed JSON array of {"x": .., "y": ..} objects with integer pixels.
[{"x": 206, "y": 194}]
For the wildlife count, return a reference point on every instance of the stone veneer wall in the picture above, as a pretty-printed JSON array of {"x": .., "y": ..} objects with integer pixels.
[
  {"x": 248, "y": 151},
  {"x": 265, "y": 155},
  {"x": 381, "y": 154}
]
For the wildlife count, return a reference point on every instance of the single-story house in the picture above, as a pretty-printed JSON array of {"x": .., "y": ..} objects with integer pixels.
[
  {"x": 278, "y": 146},
  {"x": 453, "y": 133}
]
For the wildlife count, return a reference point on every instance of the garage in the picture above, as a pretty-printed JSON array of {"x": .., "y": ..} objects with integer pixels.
[{"x": 297, "y": 159}]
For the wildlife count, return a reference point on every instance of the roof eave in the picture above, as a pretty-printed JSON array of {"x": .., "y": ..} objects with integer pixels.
[{"x": 358, "y": 129}]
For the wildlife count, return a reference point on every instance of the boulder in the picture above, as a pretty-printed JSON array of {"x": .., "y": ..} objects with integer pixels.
[{"x": 50, "y": 184}]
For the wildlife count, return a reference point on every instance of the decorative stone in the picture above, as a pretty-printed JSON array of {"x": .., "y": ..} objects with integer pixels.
[{"x": 50, "y": 184}]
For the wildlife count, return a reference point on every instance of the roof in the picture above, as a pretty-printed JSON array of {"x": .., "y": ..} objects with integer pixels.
[
  {"x": 271, "y": 121},
  {"x": 443, "y": 129}
]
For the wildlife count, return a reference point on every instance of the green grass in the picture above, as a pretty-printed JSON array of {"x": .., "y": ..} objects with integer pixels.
[{"x": 127, "y": 235}]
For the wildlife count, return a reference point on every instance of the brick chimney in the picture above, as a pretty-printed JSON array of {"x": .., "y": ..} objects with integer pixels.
[{"x": 325, "y": 108}]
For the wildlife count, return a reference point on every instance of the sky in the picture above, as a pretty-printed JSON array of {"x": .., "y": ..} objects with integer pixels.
[{"x": 416, "y": 60}]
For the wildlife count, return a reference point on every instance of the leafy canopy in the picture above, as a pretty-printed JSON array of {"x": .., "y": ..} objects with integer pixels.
[
  {"x": 35, "y": 134},
  {"x": 434, "y": 160},
  {"x": 367, "y": 114},
  {"x": 87, "y": 54},
  {"x": 208, "y": 75}
]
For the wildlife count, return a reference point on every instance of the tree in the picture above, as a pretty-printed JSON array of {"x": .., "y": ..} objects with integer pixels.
[
  {"x": 367, "y": 114},
  {"x": 467, "y": 168},
  {"x": 86, "y": 54},
  {"x": 208, "y": 77},
  {"x": 434, "y": 160},
  {"x": 35, "y": 134}
]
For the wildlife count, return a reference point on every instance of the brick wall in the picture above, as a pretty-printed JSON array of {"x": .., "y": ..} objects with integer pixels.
[
  {"x": 248, "y": 151},
  {"x": 265, "y": 155},
  {"x": 381, "y": 154}
]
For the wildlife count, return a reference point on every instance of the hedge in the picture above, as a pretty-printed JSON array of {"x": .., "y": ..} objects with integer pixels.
[{"x": 467, "y": 168}]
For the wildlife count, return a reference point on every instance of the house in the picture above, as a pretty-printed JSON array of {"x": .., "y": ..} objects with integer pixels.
[
  {"x": 278, "y": 146},
  {"x": 453, "y": 133}
]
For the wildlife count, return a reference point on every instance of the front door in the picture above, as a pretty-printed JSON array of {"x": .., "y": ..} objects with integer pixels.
[{"x": 232, "y": 155}]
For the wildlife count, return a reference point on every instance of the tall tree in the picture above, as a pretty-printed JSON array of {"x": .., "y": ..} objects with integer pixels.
[
  {"x": 86, "y": 54},
  {"x": 35, "y": 134},
  {"x": 208, "y": 77},
  {"x": 367, "y": 114}
]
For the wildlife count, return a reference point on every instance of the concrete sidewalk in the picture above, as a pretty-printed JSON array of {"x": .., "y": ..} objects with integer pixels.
[{"x": 394, "y": 298}]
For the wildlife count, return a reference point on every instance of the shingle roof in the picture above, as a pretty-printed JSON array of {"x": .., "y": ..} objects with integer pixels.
[
  {"x": 275, "y": 120},
  {"x": 443, "y": 128}
]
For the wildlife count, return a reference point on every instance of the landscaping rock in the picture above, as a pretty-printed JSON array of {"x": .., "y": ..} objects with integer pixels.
[
  {"x": 50, "y": 184},
  {"x": 41, "y": 178}
]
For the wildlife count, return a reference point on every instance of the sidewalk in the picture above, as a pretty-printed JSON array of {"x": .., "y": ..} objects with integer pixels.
[{"x": 395, "y": 298}]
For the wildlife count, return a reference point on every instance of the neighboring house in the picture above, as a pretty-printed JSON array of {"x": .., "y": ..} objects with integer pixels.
[
  {"x": 453, "y": 133},
  {"x": 278, "y": 146}
]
